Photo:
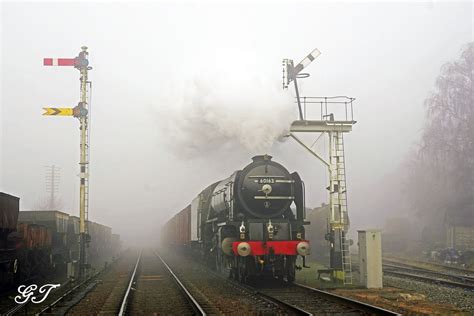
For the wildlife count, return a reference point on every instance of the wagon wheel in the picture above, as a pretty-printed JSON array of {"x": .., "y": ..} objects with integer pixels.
[
  {"x": 25, "y": 268},
  {"x": 218, "y": 262}
]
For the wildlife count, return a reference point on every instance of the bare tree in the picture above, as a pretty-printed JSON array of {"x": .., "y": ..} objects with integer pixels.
[{"x": 440, "y": 174}]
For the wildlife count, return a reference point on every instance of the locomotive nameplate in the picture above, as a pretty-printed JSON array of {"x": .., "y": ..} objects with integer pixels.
[{"x": 266, "y": 179}]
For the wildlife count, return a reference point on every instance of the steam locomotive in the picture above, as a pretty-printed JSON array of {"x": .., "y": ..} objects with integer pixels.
[{"x": 251, "y": 223}]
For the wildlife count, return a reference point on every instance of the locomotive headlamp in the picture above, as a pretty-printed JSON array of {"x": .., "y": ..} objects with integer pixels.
[
  {"x": 242, "y": 231},
  {"x": 270, "y": 230},
  {"x": 242, "y": 227},
  {"x": 243, "y": 249},
  {"x": 303, "y": 248},
  {"x": 226, "y": 245}
]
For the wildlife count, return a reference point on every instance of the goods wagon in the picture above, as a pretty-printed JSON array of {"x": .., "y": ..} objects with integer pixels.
[
  {"x": 9, "y": 208},
  {"x": 116, "y": 245},
  {"x": 57, "y": 222},
  {"x": 43, "y": 242},
  {"x": 72, "y": 238},
  {"x": 25, "y": 247},
  {"x": 100, "y": 241},
  {"x": 178, "y": 228},
  {"x": 35, "y": 236}
]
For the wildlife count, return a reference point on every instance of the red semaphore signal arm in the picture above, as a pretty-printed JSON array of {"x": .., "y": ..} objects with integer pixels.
[{"x": 59, "y": 62}]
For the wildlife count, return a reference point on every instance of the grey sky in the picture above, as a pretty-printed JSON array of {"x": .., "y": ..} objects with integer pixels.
[{"x": 147, "y": 56}]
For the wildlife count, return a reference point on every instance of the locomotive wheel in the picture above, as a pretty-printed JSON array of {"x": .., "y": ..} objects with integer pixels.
[
  {"x": 218, "y": 262},
  {"x": 290, "y": 269},
  {"x": 242, "y": 277},
  {"x": 242, "y": 270},
  {"x": 234, "y": 271}
]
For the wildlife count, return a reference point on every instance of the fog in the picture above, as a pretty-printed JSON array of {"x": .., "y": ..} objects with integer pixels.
[{"x": 185, "y": 94}]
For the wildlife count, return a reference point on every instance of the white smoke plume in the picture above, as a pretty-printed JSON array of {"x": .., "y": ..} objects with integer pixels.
[{"x": 235, "y": 110}]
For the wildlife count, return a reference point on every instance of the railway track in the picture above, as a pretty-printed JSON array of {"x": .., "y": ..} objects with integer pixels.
[
  {"x": 12, "y": 308},
  {"x": 439, "y": 287},
  {"x": 63, "y": 304},
  {"x": 425, "y": 264},
  {"x": 318, "y": 302},
  {"x": 462, "y": 278},
  {"x": 60, "y": 300},
  {"x": 218, "y": 295},
  {"x": 295, "y": 299},
  {"x": 157, "y": 290},
  {"x": 148, "y": 285},
  {"x": 425, "y": 275},
  {"x": 66, "y": 301},
  {"x": 106, "y": 296}
]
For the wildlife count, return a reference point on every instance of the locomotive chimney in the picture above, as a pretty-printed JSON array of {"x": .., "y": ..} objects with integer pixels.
[{"x": 261, "y": 157}]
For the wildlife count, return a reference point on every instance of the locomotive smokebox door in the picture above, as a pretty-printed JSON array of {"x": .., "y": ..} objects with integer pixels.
[{"x": 266, "y": 189}]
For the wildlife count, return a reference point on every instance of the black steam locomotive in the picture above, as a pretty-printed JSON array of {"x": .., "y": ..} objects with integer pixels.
[{"x": 251, "y": 223}]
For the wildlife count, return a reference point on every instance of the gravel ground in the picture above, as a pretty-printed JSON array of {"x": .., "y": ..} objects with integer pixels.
[
  {"x": 106, "y": 297},
  {"x": 214, "y": 294},
  {"x": 463, "y": 299}
]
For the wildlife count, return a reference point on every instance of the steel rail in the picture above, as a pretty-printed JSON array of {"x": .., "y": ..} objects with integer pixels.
[
  {"x": 263, "y": 296},
  {"x": 362, "y": 305},
  {"x": 414, "y": 264},
  {"x": 15, "y": 309},
  {"x": 431, "y": 280},
  {"x": 296, "y": 310},
  {"x": 66, "y": 294},
  {"x": 189, "y": 296},
  {"x": 459, "y": 277},
  {"x": 126, "y": 297},
  {"x": 19, "y": 307}
]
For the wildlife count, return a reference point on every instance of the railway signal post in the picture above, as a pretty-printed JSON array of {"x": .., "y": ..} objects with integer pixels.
[
  {"x": 335, "y": 119},
  {"x": 80, "y": 112}
]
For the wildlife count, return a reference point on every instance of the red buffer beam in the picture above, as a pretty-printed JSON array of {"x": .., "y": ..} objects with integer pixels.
[{"x": 59, "y": 61}]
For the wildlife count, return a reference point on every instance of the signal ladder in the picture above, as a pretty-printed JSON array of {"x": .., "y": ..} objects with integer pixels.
[
  {"x": 86, "y": 179},
  {"x": 340, "y": 201}
]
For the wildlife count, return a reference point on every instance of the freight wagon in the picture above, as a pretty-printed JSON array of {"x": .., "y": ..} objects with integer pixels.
[
  {"x": 9, "y": 207},
  {"x": 73, "y": 237},
  {"x": 57, "y": 222},
  {"x": 25, "y": 247},
  {"x": 116, "y": 245},
  {"x": 36, "y": 243},
  {"x": 177, "y": 231},
  {"x": 100, "y": 244}
]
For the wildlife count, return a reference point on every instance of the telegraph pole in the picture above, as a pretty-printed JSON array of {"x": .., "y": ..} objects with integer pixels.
[
  {"x": 81, "y": 113},
  {"x": 52, "y": 184}
]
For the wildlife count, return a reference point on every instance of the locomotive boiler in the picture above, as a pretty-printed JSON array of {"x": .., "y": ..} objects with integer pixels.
[{"x": 251, "y": 223}]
